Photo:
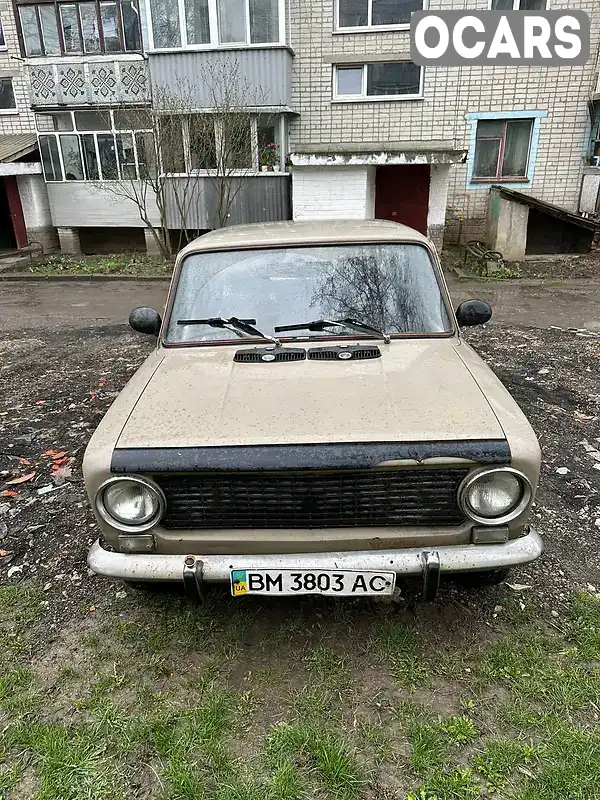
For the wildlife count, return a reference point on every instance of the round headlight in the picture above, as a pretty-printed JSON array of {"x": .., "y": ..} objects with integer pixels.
[
  {"x": 131, "y": 502},
  {"x": 495, "y": 495}
]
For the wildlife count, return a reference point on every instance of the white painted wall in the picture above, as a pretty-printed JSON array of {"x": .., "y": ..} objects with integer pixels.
[
  {"x": 332, "y": 193},
  {"x": 438, "y": 194}
]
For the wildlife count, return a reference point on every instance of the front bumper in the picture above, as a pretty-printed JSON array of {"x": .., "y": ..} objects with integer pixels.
[{"x": 426, "y": 562}]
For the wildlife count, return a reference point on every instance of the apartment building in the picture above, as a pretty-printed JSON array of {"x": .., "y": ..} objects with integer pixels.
[
  {"x": 352, "y": 128},
  {"x": 24, "y": 208}
]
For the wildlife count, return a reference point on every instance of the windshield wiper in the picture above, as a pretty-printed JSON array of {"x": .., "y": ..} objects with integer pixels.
[
  {"x": 239, "y": 326},
  {"x": 322, "y": 324}
]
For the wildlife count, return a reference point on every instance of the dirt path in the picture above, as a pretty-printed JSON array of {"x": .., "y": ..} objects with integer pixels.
[{"x": 82, "y": 304}]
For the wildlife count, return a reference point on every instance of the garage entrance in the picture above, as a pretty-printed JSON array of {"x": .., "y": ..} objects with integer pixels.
[{"x": 402, "y": 194}]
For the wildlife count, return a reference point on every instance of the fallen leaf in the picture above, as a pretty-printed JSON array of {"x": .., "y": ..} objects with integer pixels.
[
  {"x": 8, "y": 493},
  {"x": 25, "y": 461},
  {"x": 49, "y": 453},
  {"x": 40, "y": 402},
  {"x": 60, "y": 454},
  {"x": 518, "y": 587},
  {"x": 21, "y": 479},
  {"x": 4, "y": 553}
]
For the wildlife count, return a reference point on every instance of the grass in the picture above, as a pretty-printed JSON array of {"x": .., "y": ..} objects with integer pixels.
[
  {"x": 233, "y": 701},
  {"x": 138, "y": 264}
]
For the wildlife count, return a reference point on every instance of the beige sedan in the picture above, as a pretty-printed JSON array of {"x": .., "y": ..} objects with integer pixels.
[{"x": 311, "y": 421}]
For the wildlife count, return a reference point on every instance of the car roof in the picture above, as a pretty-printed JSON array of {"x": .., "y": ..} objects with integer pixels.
[{"x": 278, "y": 234}]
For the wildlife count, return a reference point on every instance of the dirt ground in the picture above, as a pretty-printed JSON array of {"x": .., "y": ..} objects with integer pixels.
[
  {"x": 58, "y": 386},
  {"x": 355, "y": 700}
]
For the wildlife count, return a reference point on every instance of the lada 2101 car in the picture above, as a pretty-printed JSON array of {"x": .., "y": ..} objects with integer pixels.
[{"x": 312, "y": 421}]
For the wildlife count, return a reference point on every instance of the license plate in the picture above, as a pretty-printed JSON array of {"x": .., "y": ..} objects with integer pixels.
[{"x": 290, "y": 582}]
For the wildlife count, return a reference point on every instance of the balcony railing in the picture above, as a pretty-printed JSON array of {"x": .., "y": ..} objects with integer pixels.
[{"x": 81, "y": 80}]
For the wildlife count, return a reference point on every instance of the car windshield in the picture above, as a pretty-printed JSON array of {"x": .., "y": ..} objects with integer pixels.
[{"x": 391, "y": 287}]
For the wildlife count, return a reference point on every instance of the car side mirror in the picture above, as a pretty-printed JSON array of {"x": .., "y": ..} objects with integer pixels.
[
  {"x": 145, "y": 320},
  {"x": 473, "y": 312}
]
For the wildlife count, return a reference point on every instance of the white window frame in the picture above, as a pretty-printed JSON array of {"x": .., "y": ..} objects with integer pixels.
[
  {"x": 213, "y": 20},
  {"x": 363, "y": 97},
  {"x": 516, "y": 5},
  {"x": 79, "y": 133},
  {"x": 14, "y": 110},
  {"x": 369, "y": 27},
  {"x": 243, "y": 173}
]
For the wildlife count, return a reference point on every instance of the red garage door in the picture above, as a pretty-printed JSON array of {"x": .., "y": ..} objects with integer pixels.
[{"x": 402, "y": 194}]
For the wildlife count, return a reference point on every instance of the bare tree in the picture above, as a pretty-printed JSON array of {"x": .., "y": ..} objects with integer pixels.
[{"x": 192, "y": 159}]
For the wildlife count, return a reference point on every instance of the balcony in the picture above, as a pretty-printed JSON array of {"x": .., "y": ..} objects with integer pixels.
[
  {"x": 265, "y": 74},
  {"x": 88, "y": 80}
]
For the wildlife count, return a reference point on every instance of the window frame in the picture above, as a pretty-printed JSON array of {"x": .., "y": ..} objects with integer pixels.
[
  {"x": 75, "y": 131},
  {"x": 56, "y": 5},
  {"x": 14, "y": 110},
  {"x": 372, "y": 98},
  {"x": 516, "y": 6},
  {"x": 369, "y": 27},
  {"x": 213, "y": 26},
  {"x": 499, "y": 177},
  {"x": 254, "y": 170}
]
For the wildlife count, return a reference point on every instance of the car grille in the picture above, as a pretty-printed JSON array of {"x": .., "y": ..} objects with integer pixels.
[
  {"x": 328, "y": 499},
  {"x": 342, "y": 353}
]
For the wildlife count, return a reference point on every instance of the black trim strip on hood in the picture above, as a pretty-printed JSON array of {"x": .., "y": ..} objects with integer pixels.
[{"x": 361, "y": 455}]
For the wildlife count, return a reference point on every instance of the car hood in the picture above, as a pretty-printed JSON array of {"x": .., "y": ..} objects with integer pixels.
[{"x": 419, "y": 390}]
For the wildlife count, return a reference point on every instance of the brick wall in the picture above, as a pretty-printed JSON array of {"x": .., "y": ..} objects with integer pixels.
[
  {"x": 12, "y": 66},
  {"x": 449, "y": 94}
]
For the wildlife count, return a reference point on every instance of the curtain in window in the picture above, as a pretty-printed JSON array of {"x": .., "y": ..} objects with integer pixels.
[
  {"x": 264, "y": 21},
  {"x": 197, "y": 24},
  {"x": 516, "y": 148},
  {"x": 232, "y": 20},
  {"x": 165, "y": 23}
]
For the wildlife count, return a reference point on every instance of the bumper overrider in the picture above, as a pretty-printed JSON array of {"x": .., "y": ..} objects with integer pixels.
[{"x": 194, "y": 570}]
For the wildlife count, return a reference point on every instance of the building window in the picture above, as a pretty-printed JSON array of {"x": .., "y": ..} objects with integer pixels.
[
  {"x": 92, "y": 26},
  {"x": 354, "y": 14},
  {"x": 95, "y": 145},
  {"x": 392, "y": 80},
  {"x": 518, "y": 5},
  {"x": 188, "y": 23},
  {"x": 207, "y": 142},
  {"x": 502, "y": 149},
  {"x": 7, "y": 96},
  {"x": 2, "y": 42}
]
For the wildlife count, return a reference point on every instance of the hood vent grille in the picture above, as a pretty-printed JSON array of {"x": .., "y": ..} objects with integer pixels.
[
  {"x": 269, "y": 355},
  {"x": 354, "y": 353}
]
